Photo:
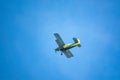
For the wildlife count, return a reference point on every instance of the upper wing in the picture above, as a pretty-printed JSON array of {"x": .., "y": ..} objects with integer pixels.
[
  {"x": 59, "y": 40},
  {"x": 67, "y": 53}
]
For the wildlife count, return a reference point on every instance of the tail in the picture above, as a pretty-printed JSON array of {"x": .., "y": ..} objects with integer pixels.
[{"x": 77, "y": 41}]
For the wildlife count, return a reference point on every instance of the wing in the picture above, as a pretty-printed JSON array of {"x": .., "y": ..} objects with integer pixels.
[
  {"x": 59, "y": 40},
  {"x": 67, "y": 53}
]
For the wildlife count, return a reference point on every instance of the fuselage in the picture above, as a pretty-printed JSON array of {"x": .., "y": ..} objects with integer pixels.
[{"x": 68, "y": 46}]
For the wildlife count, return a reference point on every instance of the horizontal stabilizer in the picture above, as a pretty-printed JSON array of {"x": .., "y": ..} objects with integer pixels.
[
  {"x": 79, "y": 45},
  {"x": 75, "y": 40}
]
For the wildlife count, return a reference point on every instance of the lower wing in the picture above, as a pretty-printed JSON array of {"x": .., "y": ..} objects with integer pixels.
[{"x": 67, "y": 53}]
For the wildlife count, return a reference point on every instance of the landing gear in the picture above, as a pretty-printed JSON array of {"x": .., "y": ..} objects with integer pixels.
[{"x": 61, "y": 53}]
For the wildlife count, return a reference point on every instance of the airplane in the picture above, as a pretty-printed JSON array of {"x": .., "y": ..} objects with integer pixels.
[{"x": 64, "y": 48}]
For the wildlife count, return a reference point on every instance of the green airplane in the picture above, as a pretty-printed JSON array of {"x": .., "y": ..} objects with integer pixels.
[{"x": 64, "y": 48}]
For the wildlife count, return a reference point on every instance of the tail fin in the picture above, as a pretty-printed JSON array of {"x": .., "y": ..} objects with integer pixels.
[{"x": 77, "y": 41}]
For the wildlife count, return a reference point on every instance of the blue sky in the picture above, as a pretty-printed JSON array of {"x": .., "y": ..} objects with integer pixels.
[{"x": 27, "y": 43}]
